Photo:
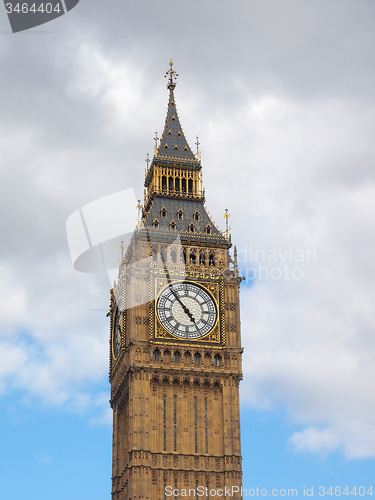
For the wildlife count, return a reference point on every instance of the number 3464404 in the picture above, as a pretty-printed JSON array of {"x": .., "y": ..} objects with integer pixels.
[
  {"x": 35, "y": 8},
  {"x": 338, "y": 491}
]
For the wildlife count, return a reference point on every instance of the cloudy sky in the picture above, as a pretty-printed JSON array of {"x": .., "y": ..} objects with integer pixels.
[{"x": 281, "y": 94}]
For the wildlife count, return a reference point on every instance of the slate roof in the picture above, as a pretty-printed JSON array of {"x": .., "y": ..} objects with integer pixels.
[
  {"x": 178, "y": 149},
  {"x": 173, "y": 143},
  {"x": 189, "y": 207}
]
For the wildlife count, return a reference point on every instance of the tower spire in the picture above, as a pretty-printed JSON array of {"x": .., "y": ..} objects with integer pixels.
[{"x": 173, "y": 143}]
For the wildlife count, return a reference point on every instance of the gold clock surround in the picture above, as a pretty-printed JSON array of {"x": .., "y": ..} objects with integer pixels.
[{"x": 214, "y": 337}]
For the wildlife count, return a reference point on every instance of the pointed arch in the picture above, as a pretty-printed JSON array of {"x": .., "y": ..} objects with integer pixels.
[
  {"x": 193, "y": 257},
  {"x": 211, "y": 259},
  {"x": 202, "y": 257}
]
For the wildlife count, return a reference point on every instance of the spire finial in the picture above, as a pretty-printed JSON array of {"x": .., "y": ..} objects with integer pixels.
[
  {"x": 235, "y": 262},
  {"x": 122, "y": 248},
  {"x": 147, "y": 160},
  {"x": 139, "y": 208},
  {"x": 172, "y": 76},
  {"x": 197, "y": 144},
  {"x": 156, "y": 139},
  {"x": 226, "y": 217}
]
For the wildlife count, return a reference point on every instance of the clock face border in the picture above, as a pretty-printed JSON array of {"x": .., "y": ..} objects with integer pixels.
[
  {"x": 117, "y": 318},
  {"x": 213, "y": 337}
]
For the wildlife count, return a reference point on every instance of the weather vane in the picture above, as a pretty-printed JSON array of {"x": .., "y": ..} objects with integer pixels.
[{"x": 171, "y": 74}]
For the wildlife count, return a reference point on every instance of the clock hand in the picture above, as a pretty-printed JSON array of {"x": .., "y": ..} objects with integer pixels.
[{"x": 186, "y": 310}]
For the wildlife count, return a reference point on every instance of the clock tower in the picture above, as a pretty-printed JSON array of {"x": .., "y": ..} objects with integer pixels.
[{"x": 175, "y": 343}]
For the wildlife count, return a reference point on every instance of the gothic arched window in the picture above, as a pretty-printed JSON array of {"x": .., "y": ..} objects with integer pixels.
[
  {"x": 193, "y": 257},
  {"x": 217, "y": 360},
  {"x": 202, "y": 258},
  {"x": 174, "y": 255},
  {"x": 156, "y": 355},
  {"x": 154, "y": 253},
  {"x": 211, "y": 260},
  {"x": 176, "y": 357}
]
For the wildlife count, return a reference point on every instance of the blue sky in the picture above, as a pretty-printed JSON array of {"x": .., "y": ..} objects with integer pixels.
[
  {"x": 270, "y": 463},
  {"x": 282, "y": 97},
  {"x": 66, "y": 454},
  {"x": 61, "y": 455}
]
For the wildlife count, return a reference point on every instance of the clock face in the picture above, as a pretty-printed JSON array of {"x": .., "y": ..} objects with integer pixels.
[
  {"x": 116, "y": 340},
  {"x": 186, "y": 310}
]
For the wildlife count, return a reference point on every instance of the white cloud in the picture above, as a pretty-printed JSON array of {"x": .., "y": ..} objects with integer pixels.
[
  {"x": 304, "y": 186},
  {"x": 13, "y": 296},
  {"x": 310, "y": 342},
  {"x": 315, "y": 440},
  {"x": 356, "y": 437}
]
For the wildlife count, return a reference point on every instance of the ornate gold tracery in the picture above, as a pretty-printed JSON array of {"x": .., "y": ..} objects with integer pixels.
[{"x": 158, "y": 334}]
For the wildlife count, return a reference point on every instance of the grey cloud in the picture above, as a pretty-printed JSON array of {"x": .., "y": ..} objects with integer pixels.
[{"x": 281, "y": 94}]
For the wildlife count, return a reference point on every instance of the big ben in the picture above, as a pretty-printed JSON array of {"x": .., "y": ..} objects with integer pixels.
[{"x": 175, "y": 342}]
